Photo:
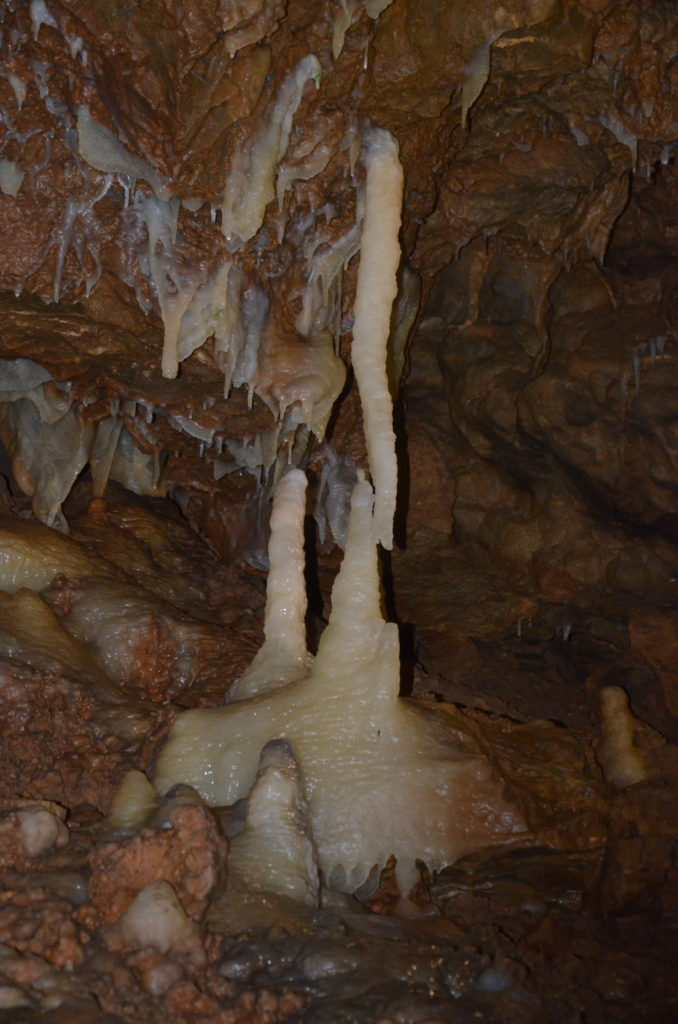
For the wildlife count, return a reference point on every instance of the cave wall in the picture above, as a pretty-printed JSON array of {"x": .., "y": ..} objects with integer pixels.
[{"x": 182, "y": 191}]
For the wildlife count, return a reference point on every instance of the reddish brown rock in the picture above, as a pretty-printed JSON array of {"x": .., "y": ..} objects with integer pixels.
[
  {"x": 190, "y": 855},
  {"x": 654, "y": 632},
  {"x": 28, "y": 832},
  {"x": 82, "y": 760},
  {"x": 33, "y": 922},
  {"x": 639, "y": 874}
]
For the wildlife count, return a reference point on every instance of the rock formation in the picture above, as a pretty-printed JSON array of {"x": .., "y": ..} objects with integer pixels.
[{"x": 184, "y": 192}]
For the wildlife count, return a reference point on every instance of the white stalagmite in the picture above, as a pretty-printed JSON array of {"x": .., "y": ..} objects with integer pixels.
[
  {"x": 275, "y": 851},
  {"x": 133, "y": 803},
  {"x": 283, "y": 656},
  {"x": 156, "y": 919},
  {"x": 375, "y": 291},
  {"x": 356, "y": 625},
  {"x": 382, "y": 776},
  {"x": 622, "y": 763}
]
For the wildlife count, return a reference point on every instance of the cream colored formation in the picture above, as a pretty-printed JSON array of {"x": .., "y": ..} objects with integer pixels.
[
  {"x": 622, "y": 762},
  {"x": 339, "y": 772},
  {"x": 376, "y": 290},
  {"x": 220, "y": 302},
  {"x": 381, "y": 776},
  {"x": 283, "y": 657}
]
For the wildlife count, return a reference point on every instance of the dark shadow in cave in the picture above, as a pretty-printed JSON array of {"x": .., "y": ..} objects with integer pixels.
[
  {"x": 6, "y": 475},
  {"x": 403, "y": 460},
  {"x": 5, "y": 463},
  {"x": 315, "y": 619},
  {"x": 601, "y": 506},
  {"x": 604, "y": 508},
  {"x": 336, "y": 408},
  {"x": 406, "y": 630}
]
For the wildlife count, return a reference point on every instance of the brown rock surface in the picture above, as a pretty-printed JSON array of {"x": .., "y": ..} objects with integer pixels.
[
  {"x": 535, "y": 342},
  {"x": 28, "y": 832},
  {"x": 84, "y": 747},
  {"x": 654, "y": 633},
  {"x": 34, "y": 922},
  {"x": 189, "y": 854}
]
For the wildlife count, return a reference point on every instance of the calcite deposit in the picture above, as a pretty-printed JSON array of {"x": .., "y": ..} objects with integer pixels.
[{"x": 188, "y": 204}]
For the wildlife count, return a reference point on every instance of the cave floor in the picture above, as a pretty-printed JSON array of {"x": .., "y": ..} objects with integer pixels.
[{"x": 516, "y": 937}]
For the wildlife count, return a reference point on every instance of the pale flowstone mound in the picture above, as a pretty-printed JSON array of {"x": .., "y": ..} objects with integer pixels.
[
  {"x": 27, "y": 832},
  {"x": 274, "y": 852},
  {"x": 31, "y": 555},
  {"x": 31, "y": 633},
  {"x": 133, "y": 804},
  {"x": 382, "y": 776}
]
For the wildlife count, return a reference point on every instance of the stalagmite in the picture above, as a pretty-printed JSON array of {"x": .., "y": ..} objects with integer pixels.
[
  {"x": 621, "y": 761},
  {"x": 133, "y": 804},
  {"x": 157, "y": 919},
  {"x": 376, "y": 289},
  {"x": 382, "y": 776},
  {"x": 283, "y": 656},
  {"x": 275, "y": 852}
]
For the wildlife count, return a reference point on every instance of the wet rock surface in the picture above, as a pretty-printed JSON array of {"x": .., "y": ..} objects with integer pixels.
[{"x": 533, "y": 351}]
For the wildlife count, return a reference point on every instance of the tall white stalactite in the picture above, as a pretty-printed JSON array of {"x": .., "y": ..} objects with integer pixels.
[{"x": 375, "y": 291}]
